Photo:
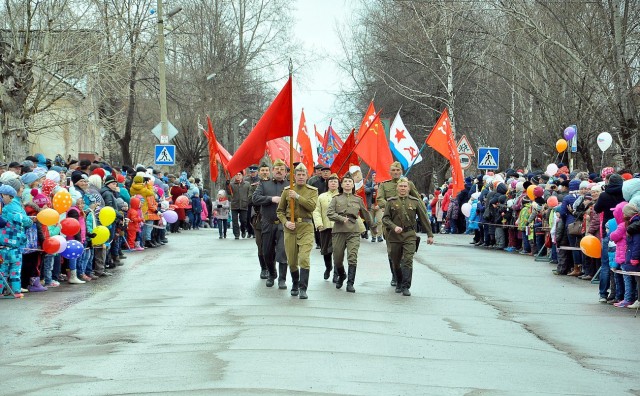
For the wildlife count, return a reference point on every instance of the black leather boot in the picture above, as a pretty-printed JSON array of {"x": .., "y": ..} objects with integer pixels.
[
  {"x": 273, "y": 274},
  {"x": 393, "y": 274},
  {"x": 327, "y": 266},
  {"x": 406, "y": 280},
  {"x": 304, "y": 281},
  {"x": 341, "y": 277},
  {"x": 351, "y": 278},
  {"x": 282, "y": 279},
  {"x": 295, "y": 286},
  {"x": 264, "y": 272}
]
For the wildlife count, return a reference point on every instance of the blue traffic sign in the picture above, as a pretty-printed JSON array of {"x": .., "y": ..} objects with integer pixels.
[
  {"x": 165, "y": 154},
  {"x": 488, "y": 158}
]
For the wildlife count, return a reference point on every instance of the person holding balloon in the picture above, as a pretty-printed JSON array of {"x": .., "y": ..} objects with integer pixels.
[
  {"x": 13, "y": 237},
  {"x": 74, "y": 227}
]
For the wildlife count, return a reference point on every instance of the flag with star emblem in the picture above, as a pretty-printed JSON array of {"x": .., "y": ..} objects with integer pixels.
[
  {"x": 402, "y": 145},
  {"x": 373, "y": 149}
]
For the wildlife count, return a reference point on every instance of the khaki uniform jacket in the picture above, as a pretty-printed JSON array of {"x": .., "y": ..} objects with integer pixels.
[
  {"x": 402, "y": 212},
  {"x": 320, "y": 213},
  {"x": 389, "y": 188},
  {"x": 347, "y": 207},
  {"x": 304, "y": 205}
]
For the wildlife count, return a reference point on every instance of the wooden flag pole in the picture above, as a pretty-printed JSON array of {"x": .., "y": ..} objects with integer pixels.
[{"x": 292, "y": 174}]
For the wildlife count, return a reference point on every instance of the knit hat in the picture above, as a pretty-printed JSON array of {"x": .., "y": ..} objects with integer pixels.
[
  {"x": 29, "y": 178},
  {"x": 629, "y": 211},
  {"x": 48, "y": 186},
  {"x": 98, "y": 171},
  {"x": 39, "y": 199},
  {"x": 574, "y": 185},
  {"x": 627, "y": 176},
  {"x": 8, "y": 175},
  {"x": 8, "y": 190},
  {"x": 138, "y": 179},
  {"x": 15, "y": 183},
  {"x": 584, "y": 184},
  {"x": 109, "y": 179},
  {"x": 77, "y": 176},
  {"x": 119, "y": 203},
  {"x": 53, "y": 175}
]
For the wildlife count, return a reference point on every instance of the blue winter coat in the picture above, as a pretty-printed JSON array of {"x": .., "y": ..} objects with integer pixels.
[
  {"x": 475, "y": 218},
  {"x": 568, "y": 201},
  {"x": 633, "y": 246},
  {"x": 14, "y": 233}
]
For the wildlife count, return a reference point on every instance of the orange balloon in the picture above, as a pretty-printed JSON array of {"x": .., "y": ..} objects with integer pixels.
[
  {"x": 62, "y": 201},
  {"x": 530, "y": 192},
  {"x": 561, "y": 145},
  {"x": 48, "y": 217},
  {"x": 591, "y": 246},
  {"x": 552, "y": 202}
]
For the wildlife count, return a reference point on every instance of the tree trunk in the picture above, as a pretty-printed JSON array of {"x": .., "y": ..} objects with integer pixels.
[{"x": 125, "y": 140}]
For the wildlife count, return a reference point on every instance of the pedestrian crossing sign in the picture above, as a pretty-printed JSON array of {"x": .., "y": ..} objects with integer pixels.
[
  {"x": 488, "y": 158},
  {"x": 165, "y": 154}
]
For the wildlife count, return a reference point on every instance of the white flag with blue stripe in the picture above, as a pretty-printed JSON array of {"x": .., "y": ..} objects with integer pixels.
[{"x": 402, "y": 145}]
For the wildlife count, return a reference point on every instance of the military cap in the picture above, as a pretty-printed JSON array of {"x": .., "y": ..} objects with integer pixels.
[
  {"x": 396, "y": 164},
  {"x": 300, "y": 167},
  {"x": 279, "y": 162},
  {"x": 253, "y": 168}
]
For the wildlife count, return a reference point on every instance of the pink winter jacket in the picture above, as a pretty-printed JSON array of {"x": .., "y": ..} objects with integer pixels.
[
  {"x": 204, "y": 215},
  {"x": 619, "y": 236}
]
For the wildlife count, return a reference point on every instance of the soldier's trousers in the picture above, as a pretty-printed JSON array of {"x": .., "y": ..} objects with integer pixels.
[
  {"x": 298, "y": 245},
  {"x": 273, "y": 245},
  {"x": 239, "y": 216},
  {"x": 376, "y": 228},
  {"x": 349, "y": 241},
  {"x": 401, "y": 254}
]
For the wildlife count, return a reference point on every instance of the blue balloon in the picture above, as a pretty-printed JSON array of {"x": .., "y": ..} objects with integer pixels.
[{"x": 74, "y": 250}]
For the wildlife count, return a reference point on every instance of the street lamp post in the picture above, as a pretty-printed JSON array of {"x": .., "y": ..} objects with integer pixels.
[{"x": 164, "y": 134}]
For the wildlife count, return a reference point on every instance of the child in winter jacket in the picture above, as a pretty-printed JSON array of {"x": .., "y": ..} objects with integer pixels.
[
  {"x": 13, "y": 238},
  {"x": 619, "y": 238},
  {"x": 632, "y": 255},
  {"x": 204, "y": 216},
  {"x": 76, "y": 212},
  {"x": 196, "y": 208},
  {"x": 134, "y": 227},
  {"x": 85, "y": 264},
  {"x": 222, "y": 206}
]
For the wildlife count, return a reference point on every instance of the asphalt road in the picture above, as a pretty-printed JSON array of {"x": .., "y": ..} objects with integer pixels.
[{"x": 194, "y": 318}]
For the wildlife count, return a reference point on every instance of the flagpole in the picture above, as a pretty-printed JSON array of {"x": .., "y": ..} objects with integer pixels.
[
  {"x": 291, "y": 175},
  {"x": 415, "y": 159}
]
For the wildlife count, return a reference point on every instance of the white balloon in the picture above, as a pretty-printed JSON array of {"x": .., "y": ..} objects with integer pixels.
[
  {"x": 604, "y": 141},
  {"x": 552, "y": 169},
  {"x": 466, "y": 209},
  {"x": 475, "y": 195}
]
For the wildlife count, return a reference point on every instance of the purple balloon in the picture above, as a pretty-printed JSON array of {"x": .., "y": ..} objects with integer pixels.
[
  {"x": 170, "y": 216},
  {"x": 569, "y": 133},
  {"x": 74, "y": 250}
]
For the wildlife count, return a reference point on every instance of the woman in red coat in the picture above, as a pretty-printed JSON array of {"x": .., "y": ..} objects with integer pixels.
[{"x": 176, "y": 191}]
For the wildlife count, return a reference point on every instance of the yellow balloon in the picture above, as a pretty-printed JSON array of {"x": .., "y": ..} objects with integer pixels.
[
  {"x": 561, "y": 145},
  {"x": 48, "y": 217},
  {"x": 62, "y": 201},
  {"x": 530, "y": 193},
  {"x": 107, "y": 216},
  {"x": 102, "y": 235}
]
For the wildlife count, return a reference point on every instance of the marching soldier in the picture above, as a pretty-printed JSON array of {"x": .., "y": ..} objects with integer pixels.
[
  {"x": 298, "y": 235},
  {"x": 324, "y": 225},
  {"x": 263, "y": 174},
  {"x": 253, "y": 179},
  {"x": 400, "y": 218},
  {"x": 344, "y": 210},
  {"x": 267, "y": 195},
  {"x": 388, "y": 189}
]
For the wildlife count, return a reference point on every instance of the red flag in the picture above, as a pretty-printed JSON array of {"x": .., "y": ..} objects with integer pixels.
[
  {"x": 373, "y": 148},
  {"x": 277, "y": 121},
  {"x": 319, "y": 137},
  {"x": 224, "y": 157},
  {"x": 441, "y": 139},
  {"x": 279, "y": 149},
  {"x": 213, "y": 150},
  {"x": 369, "y": 116},
  {"x": 346, "y": 157},
  {"x": 303, "y": 139}
]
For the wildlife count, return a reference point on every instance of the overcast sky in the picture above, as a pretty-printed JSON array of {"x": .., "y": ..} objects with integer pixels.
[{"x": 321, "y": 79}]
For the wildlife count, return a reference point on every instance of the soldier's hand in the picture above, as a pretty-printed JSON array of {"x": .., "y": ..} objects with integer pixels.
[
  {"x": 320, "y": 228},
  {"x": 346, "y": 220},
  {"x": 376, "y": 207},
  {"x": 275, "y": 200},
  {"x": 293, "y": 194},
  {"x": 290, "y": 225},
  {"x": 430, "y": 240},
  {"x": 398, "y": 230}
]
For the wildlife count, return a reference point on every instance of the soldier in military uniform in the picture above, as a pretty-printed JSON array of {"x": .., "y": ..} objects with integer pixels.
[
  {"x": 388, "y": 189},
  {"x": 253, "y": 179},
  {"x": 267, "y": 195},
  {"x": 298, "y": 234},
  {"x": 344, "y": 211},
  {"x": 400, "y": 218},
  {"x": 264, "y": 173}
]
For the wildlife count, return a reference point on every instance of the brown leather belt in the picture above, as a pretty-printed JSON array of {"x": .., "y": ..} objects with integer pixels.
[{"x": 305, "y": 220}]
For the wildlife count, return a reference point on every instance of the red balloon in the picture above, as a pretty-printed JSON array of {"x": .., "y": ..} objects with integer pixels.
[
  {"x": 552, "y": 202},
  {"x": 70, "y": 226},
  {"x": 538, "y": 192},
  {"x": 51, "y": 245},
  {"x": 182, "y": 201}
]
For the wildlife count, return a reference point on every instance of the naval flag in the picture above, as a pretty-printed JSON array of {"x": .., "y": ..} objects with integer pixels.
[{"x": 402, "y": 145}]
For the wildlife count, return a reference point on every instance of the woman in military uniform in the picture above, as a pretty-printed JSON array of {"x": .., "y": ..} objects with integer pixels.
[
  {"x": 324, "y": 225},
  {"x": 343, "y": 211}
]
